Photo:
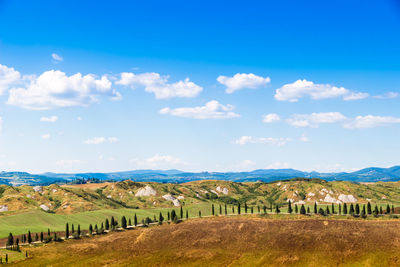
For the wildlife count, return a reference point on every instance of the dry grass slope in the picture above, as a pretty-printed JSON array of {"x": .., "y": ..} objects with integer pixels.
[{"x": 241, "y": 241}]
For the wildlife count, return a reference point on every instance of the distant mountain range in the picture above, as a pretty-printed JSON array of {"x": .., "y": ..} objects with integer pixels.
[{"x": 176, "y": 176}]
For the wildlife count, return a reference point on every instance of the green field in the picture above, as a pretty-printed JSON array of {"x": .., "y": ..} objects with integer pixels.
[{"x": 38, "y": 221}]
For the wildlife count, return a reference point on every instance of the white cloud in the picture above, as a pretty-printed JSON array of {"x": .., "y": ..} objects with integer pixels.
[
  {"x": 46, "y": 136},
  {"x": 54, "y": 89},
  {"x": 79, "y": 118},
  {"x": 57, "y": 58},
  {"x": 211, "y": 110},
  {"x": 100, "y": 140},
  {"x": 263, "y": 140},
  {"x": 370, "y": 121},
  {"x": 64, "y": 162},
  {"x": 157, "y": 84},
  {"x": 278, "y": 165},
  {"x": 8, "y": 77},
  {"x": 301, "y": 88},
  {"x": 388, "y": 95},
  {"x": 355, "y": 96},
  {"x": 49, "y": 119},
  {"x": 158, "y": 161},
  {"x": 314, "y": 119},
  {"x": 242, "y": 81},
  {"x": 271, "y": 118}
]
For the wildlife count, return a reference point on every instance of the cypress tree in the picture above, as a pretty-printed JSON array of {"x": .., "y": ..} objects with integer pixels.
[
  {"x": 265, "y": 209},
  {"x": 123, "y": 222},
  {"x": 369, "y": 209},
  {"x": 302, "y": 210},
  {"x": 160, "y": 218},
  {"x": 381, "y": 210},
  {"x": 55, "y": 237},
  {"x": 345, "y": 209},
  {"x": 173, "y": 215},
  {"x": 107, "y": 225},
  {"x": 387, "y": 209},
  {"x": 376, "y": 211},
  {"x": 333, "y": 208},
  {"x": 315, "y": 208},
  {"x": 130, "y": 222},
  {"x": 135, "y": 220},
  {"x": 41, "y": 237},
  {"x": 251, "y": 210},
  {"x": 181, "y": 213},
  {"x": 48, "y": 232},
  {"x": 308, "y": 210},
  {"x": 10, "y": 240},
  {"x": 96, "y": 229},
  {"x": 66, "y": 231},
  {"x": 212, "y": 209},
  {"x": 296, "y": 209},
  {"x": 357, "y": 209},
  {"x": 79, "y": 230},
  {"x": 102, "y": 228},
  {"x": 233, "y": 209},
  {"x": 17, "y": 241},
  {"x": 239, "y": 208},
  {"x": 29, "y": 237},
  {"x": 340, "y": 209},
  {"x": 36, "y": 237},
  {"x": 90, "y": 229},
  {"x": 363, "y": 213},
  {"x": 277, "y": 209},
  {"x": 327, "y": 210},
  {"x": 245, "y": 207},
  {"x": 112, "y": 222},
  {"x": 363, "y": 210},
  {"x": 6, "y": 258},
  {"x": 392, "y": 208},
  {"x": 226, "y": 210},
  {"x": 290, "y": 210},
  {"x": 220, "y": 209},
  {"x": 199, "y": 213},
  {"x": 187, "y": 215},
  {"x": 351, "y": 211}
]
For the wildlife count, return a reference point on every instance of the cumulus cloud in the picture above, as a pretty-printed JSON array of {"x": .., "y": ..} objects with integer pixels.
[
  {"x": 157, "y": 84},
  {"x": 370, "y": 121},
  {"x": 8, "y": 77},
  {"x": 54, "y": 89},
  {"x": 158, "y": 161},
  {"x": 242, "y": 81},
  {"x": 301, "y": 88},
  {"x": 49, "y": 119},
  {"x": 211, "y": 110},
  {"x": 57, "y": 58},
  {"x": 263, "y": 140},
  {"x": 314, "y": 119},
  {"x": 100, "y": 140},
  {"x": 269, "y": 118}
]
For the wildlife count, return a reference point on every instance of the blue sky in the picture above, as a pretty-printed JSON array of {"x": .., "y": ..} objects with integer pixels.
[{"x": 199, "y": 85}]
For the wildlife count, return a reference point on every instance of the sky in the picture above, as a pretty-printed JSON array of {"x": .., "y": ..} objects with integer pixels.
[{"x": 106, "y": 86}]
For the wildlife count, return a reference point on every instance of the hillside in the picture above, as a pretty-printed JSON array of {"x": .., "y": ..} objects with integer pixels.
[
  {"x": 67, "y": 199},
  {"x": 240, "y": 241},
  {"x": 176, "y": 176}
]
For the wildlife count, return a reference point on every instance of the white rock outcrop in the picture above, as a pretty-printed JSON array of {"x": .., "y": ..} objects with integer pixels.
[
  {"x": 146, "y": 192},
  {"x": 215, "y": 192},
  {"x": 170, "y": 197},
  {"x": 347, "y": 198},
  {"x": 328, "y": 198},
  {"x": 224, "y": 190},
  {"x": 3, "y": 208},
  {"x": 181, "y": 197},
  {"x": 44, "y": 207},
  {"x": 311, "y": 194},
  {"x": 38, "y": 189}
]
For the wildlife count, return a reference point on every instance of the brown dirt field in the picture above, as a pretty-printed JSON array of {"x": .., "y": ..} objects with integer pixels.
[{"x": 240, "y": 241}]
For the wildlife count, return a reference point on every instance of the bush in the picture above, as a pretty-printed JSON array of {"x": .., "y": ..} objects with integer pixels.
[{"x": 392, "y": 216}]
